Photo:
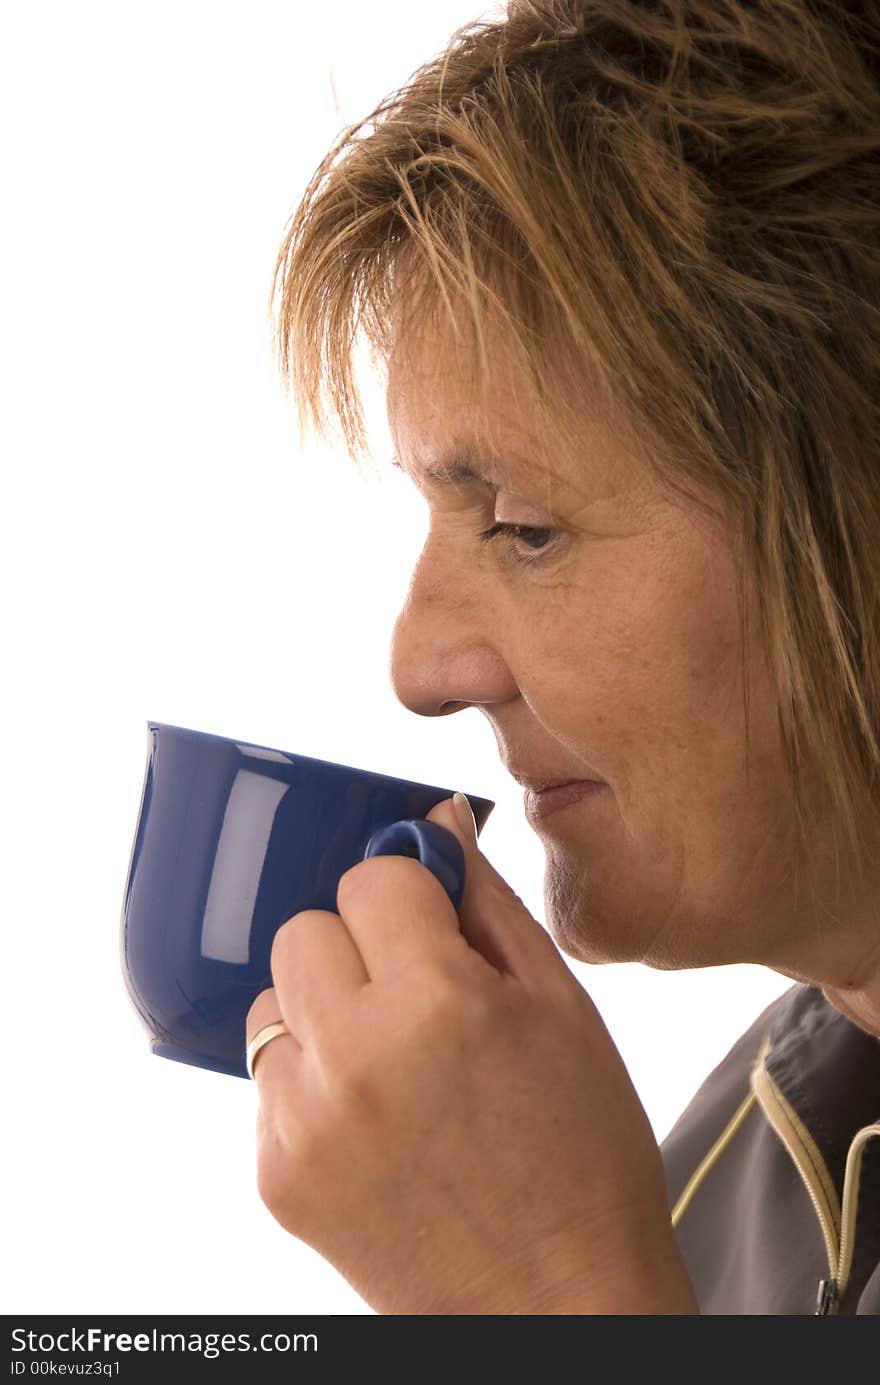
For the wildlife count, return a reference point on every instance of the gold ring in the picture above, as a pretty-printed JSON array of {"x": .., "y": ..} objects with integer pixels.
[{"x": 263, "y": 1036}]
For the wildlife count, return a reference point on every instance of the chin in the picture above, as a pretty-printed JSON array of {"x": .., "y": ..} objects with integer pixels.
[
  {"x": 583, "y": 941},
  {"x": 580, "y": 930},
  {"x": 596, "y": 930}
]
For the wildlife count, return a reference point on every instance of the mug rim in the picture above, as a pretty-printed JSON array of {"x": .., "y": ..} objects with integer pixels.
[{"x": 294, "y": 757}]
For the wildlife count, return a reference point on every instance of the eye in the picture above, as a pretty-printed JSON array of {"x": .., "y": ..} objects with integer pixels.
[{"x": 536, "y": 540}]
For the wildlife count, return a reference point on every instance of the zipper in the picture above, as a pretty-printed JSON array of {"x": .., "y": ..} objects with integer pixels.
[
  {"x": 826, "y": 1298},
  {"x": 851, "y": 1176},
  {"x": 811, "y": 1166},
  {"x": 836, "y": 1217}
]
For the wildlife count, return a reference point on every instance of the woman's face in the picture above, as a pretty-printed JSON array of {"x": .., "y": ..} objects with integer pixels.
[{"x": 605, "y": 646}]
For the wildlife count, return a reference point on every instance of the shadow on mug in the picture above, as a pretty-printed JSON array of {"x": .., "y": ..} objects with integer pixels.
[{"x": 231, "y": 840}]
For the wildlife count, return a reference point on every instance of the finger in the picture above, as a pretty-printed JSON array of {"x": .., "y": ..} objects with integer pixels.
[
  {"x": 316, "y": 966},
  {"x": 264, "y": 1012},
  {"x": 396, "y": 910},
  {"x": 493, "y": 918}
]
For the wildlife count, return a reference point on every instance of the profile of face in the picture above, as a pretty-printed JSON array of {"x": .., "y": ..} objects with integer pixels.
[{"x": 602, "y": 640}]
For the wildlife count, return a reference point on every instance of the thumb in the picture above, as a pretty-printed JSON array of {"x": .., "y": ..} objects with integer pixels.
[{"x": 493, "y": 918}]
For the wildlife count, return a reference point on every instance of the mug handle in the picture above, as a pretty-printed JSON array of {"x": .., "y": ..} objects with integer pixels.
[{"x": 428, "y": 842}]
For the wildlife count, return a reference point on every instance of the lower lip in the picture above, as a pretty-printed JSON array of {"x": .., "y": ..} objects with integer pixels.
[{"x": 538, "y": 805}]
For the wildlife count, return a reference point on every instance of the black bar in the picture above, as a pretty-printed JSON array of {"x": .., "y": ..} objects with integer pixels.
[{"x": 139, "y": 1348}]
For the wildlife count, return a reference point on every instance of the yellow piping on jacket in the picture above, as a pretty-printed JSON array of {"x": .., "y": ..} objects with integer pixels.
[{"x": 837, "y": 1217}]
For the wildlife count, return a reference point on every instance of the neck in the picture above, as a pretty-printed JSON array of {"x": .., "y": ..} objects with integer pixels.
[
  {"x": 861, "y": 1005},
  {"x": 843, "y": 959},
  {"x": 849, "y": 975}
]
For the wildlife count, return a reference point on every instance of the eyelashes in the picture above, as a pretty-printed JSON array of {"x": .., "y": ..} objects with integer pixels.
[{"x": 537, "y": 540}]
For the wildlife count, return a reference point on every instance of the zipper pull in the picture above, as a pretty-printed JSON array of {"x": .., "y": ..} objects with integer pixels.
[{"x": 826, "y": 1298}]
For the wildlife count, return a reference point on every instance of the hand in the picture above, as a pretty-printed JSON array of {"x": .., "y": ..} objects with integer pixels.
[{"x": 450, "y": 1124}]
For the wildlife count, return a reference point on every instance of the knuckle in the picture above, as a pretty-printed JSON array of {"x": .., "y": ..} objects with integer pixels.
[
  {"x": 355, "y": 880},
  {"x": 277, "y": 1187},
  {"x": 263, "y": 1005},
  {"x": 289, "y": 936},
  {"x": 282, "y": 941},
  {"x": 372, "y": 875},
  {"x": 356, "y": 1091},
  {"x": 289, "y": 1157},
  {"x": 441, "y": 985},
  {"x": 354, "y": 1081},
  {"x": 453, "y": 999}
]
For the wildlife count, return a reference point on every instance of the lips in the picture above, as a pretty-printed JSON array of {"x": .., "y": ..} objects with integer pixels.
[
  {"x": 540, "y": 803},
  {"x": 539, "y": 785},
  {"x": 547, "y": 793}
]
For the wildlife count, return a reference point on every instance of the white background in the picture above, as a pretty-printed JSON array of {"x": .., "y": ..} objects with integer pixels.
[{"x": 170, "y": 553}]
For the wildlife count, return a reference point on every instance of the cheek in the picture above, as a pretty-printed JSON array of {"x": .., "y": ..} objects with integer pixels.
[
  {"x": 637, "y": 666},
  {"x": 640, "y": 675}
]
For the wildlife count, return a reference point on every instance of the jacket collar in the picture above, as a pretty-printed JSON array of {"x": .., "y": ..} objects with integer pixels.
[{"x": 827, "y": 1069}]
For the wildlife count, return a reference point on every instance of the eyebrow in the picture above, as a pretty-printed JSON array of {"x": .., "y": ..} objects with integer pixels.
[{"x": 455, "y": 470}]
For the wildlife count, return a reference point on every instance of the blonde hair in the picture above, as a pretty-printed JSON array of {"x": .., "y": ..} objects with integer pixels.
[{"x": 677, "y": 201}]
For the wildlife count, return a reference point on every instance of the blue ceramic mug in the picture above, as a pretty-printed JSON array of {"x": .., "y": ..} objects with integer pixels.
[{"x": 231, "y": 840}]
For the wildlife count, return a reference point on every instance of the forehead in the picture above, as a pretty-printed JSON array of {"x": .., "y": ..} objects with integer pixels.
[{"x": 452, "y": 422}]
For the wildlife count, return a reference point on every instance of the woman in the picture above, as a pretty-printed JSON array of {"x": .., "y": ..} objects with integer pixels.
[{"x": 621, "y": 262}]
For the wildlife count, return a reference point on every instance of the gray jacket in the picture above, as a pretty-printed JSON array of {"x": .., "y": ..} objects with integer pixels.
[{"x": 773, "y": 1170}]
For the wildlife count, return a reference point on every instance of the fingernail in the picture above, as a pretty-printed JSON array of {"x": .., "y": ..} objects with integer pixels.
[{"x": 464, "y": 814}]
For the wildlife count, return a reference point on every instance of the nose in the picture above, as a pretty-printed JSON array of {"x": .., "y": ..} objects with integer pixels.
[{"x": 445, "y": 654}]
